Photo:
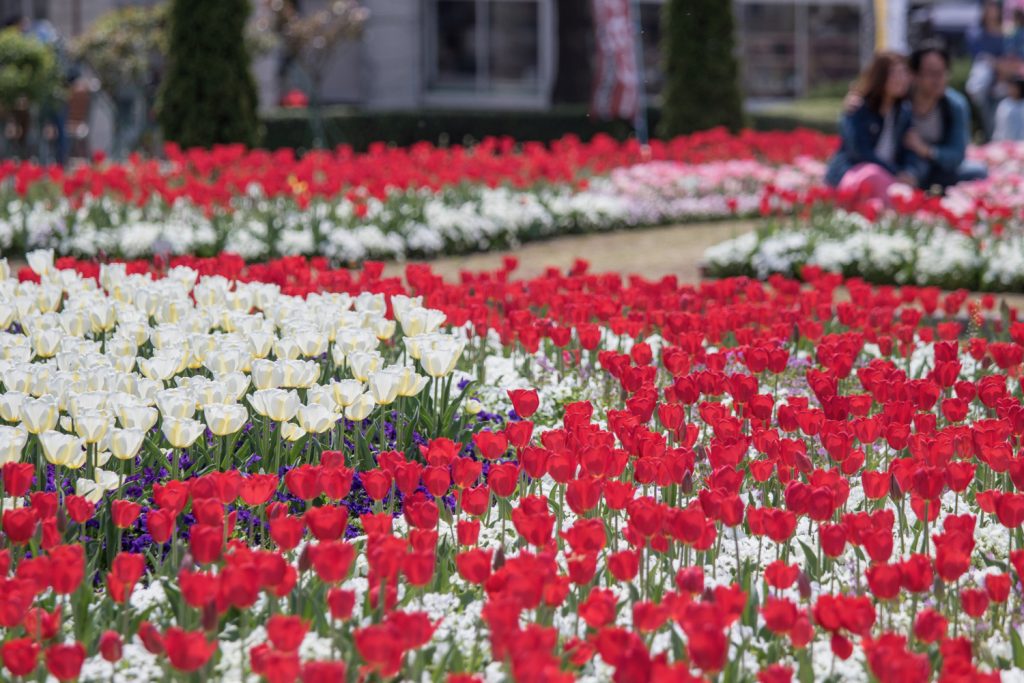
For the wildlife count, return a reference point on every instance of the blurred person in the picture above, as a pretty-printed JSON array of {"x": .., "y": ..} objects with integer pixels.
[
  {"x": 940, "y": 124},
  {"x": 1010, "y": 114},
  {"x": 941, "y": 121},
  {"x": 53, "y": 110},
  {"x": 1015, "y": 41},
  {"x": 987, "y": 46},
  {"x": 872, "y": 155}
]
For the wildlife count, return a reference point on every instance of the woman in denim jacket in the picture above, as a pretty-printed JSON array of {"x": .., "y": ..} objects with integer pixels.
[{"x": 872, "y": 156}]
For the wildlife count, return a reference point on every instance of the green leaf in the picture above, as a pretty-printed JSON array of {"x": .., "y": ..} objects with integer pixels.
[
  {"x": 1017, "y": 647},
  {"x": 812, "y": 560},
  {"x": 805, "y": 672}
]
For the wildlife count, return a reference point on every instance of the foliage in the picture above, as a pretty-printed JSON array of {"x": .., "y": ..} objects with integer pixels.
[
  {"x": 28, "y": 69},
  {"x": 124, "y": 47},
  {"x": 209, "y": 95},
  {"x": 701, "y": 72}
]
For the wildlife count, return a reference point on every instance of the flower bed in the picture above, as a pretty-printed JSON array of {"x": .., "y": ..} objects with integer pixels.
[
  {"x": 576, "y": 477},
  {"x": 971, "y": 238},
  {"x": 388, "y": 202}
]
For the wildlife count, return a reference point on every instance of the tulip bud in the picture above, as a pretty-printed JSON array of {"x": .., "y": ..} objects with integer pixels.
[
  {"x": 210, "y": 616},
  {"x": 305, "y": 561},
  {"x": 111, "y": 647},
  {"x": 499, "y": 558},
  {"x": 686, "y": 485},
  {"x": 895, "y": 494},
  {"x": 803, "y": 585}
]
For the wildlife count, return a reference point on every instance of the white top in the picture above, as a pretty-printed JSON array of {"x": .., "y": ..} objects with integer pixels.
[
  {"x": 885, "y": 148},
  {"x": 1009, "y": 120}
]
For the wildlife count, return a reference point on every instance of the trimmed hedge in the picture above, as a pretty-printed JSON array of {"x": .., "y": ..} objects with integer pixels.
[{"x": 290, "y": 127}]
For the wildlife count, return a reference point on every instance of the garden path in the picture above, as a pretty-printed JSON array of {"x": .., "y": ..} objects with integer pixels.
[{"x": 652, "y": 252}]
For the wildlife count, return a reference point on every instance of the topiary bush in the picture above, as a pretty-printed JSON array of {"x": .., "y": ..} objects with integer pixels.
[
  {"x": 208, "y": 95},
  {"x": 702, "y": 87}
]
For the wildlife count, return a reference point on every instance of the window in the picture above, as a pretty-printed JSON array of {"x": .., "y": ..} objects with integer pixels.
[{"x": 490, "y": 48}]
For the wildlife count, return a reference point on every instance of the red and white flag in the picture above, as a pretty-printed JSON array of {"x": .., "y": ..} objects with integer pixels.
[{"x": 615, "y": 88}]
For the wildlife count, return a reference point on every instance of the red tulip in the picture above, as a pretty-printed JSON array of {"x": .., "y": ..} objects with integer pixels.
[
  {"x": 474, "y": 565},
  {"x": 64, "y": 662},
  {"x": 188, "y": 650},
  {"x": 124, "y": 513},
  {"x": 286, "y": 632},
  {"x": 524, "y": 401},
  {"x": 17, "y": 478},
  {"x": 68, "y": 568},
  {"x": 111, "y": 646}
]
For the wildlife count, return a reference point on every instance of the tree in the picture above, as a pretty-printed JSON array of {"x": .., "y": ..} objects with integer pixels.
[
  {"x": 310, "y": 41},
  {"x": 701, "y": 72},
  {"x": 208, "y": 95}
]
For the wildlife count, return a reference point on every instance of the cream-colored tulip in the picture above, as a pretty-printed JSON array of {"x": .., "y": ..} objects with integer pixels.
[
  {"x": 291, "y": 431},
  {"x": 338, "y": 356},
  {"x": 74, "y": 323},
  {"x": 261, "y": 344},
  {"x": 63, "y": 450},
  {"x": 92, "y": 426},
  {"x": 384, "y": 386},
  {"x": 181, "y": 433},
  {"x": 224, "y": 419},
  {"x": 316, "y": 419},
  {"x": 363, "y": 365},
  {"x": 384, "y": 328},
  {"x": 12, "y": 443},
  {"x": 267, "y": 374},
  {"x": 122, "y": 346},
  {"x": 411, "y": 383},
  {"x": 346, "y": 391},
  {"x": 39, "y": 414},
  {"x": 172, "y": 311},
  {"x": 353, "y": 340},
  {"x": 440, "y": 360},
  {"x": 7, "y": 312},
  {"x": 159, "y": 368},
  {"x": 126, "y": 443},
  {"x": 321, "y": 395},
  {"x": 94, "y": 489},
  {"x": 208, "y": 392},
  {"x": 137, "y": 417},
  {"x": 10, "y": 405},
  {"x": 417, "y": 321},
  {"x": 367, "y": 301},
  {"x": 361, "y": 408},
  {"x": 299, "y": 374},
  {"x": 46, "y": 342},
  {"x": 48, "y": 298},
  {"x": 225, "y": 361},
  {"x": 102, "y": 316},
  {"x": 287, "y": 349},
  {"x": 311, "y": 343},
  {"x": 401, "y": 303},
  {"x": 40, "y": 261},
  {"x": 18, "y": 380},
  {"x": 277, "y": 404},
  {"x": 178, "y": 403},
  {"x": 473, "y": 406},
  {"x": 236, "y": 383}
]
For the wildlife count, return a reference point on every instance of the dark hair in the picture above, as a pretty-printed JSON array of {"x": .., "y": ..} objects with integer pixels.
[
  {"x": 985, "y": 7},
  {"x": 874, "y": 78},
  {"x": 926, "y": 48}
]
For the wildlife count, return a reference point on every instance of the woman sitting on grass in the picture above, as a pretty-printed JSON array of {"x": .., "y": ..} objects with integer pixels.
[{"x": 872, "y": 156}]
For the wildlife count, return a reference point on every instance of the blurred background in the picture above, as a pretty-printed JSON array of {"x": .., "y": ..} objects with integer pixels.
[{"x": 85, "y": 76}]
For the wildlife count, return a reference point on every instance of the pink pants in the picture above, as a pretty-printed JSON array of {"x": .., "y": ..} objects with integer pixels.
[{"x": 866, "y": 185}]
